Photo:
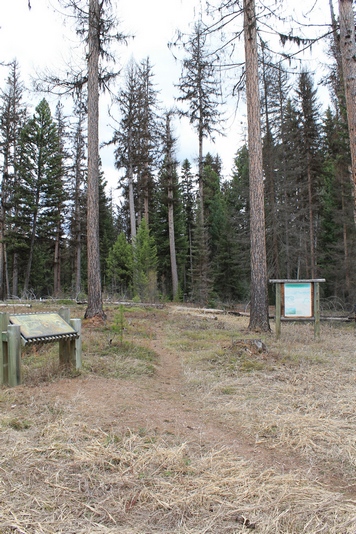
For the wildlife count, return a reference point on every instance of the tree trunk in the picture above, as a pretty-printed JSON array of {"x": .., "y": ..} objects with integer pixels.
[
  {"x": 95, "y": 306},
  {"x": 172, "y": 245},
  {"x": 57, "y": 265},
  {"x": 348, "y": 58},
  {"x": 77, "y": 233},
  {"x": 15, "y": 274},
  {"x": 311, "y": 222},
  {"x": 259, "y": 290},
  {"x": 170, "y": 198},
  {"x": 32, "y": 240},
  {"x": 2, "y": 231},
  {"x": 132, "y": 203}
]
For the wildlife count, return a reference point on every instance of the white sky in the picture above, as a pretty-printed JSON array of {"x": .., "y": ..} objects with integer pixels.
[{"x": 40, "y": 39}]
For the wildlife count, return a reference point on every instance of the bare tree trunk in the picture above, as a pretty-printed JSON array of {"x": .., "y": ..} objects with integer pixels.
[
  {"x": 172, "y": 244},
  {"x": 77, "y": 234},
  {"x": 311, "y": 222},
  {"x": 348, "y": 59},
  {"x": 259, "y": 290},
  {"x": 57, "y": 265},
  {"x": 132, "y": 203},
  {"x": 200, "y": 172},
  {"x": 95, "y": 305},
  {"x": 2, "y": 232},
  {"x": 32, "y": 242},
  {"x": 15, "y": 274}
]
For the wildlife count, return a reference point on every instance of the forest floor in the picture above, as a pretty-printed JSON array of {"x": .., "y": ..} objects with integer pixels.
[{"x": 183, "y": 422}]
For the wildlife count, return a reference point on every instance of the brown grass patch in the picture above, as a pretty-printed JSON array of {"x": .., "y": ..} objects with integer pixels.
[{"x": 279, "y": 459}]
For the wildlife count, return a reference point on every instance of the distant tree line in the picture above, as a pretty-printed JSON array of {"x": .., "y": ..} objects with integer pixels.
[{"x": 178, "y": 233}]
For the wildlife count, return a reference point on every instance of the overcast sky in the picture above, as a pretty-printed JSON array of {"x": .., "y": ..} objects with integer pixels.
[{"x": 40, "y": 39}]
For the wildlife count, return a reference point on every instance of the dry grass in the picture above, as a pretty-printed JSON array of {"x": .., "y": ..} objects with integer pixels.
[{"x": 61, "y": 473}]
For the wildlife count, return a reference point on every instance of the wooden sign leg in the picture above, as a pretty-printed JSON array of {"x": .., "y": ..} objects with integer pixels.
[
  {"x": 316, "y": 310},
  {"x": 14, "y": 355},
  {"x": 278, "y": 310},
  {"x": 4, "y": 321},
  {"x": 76, "y": 344}
]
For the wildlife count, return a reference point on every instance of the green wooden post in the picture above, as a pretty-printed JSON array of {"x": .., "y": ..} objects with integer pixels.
[
  {"x": 278, "y": 310},
  {"x": 316, "y": 310},
  {"x": 4, "y": 321},
  {"x": 14, "y": 355},
  {"x": 76, "y": 344},
  {"x": 64, "y": 344},
  {"x": 70, "y": 350}
]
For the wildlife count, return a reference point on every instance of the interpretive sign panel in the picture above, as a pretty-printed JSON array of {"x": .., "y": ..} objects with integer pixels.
[
  {"x": 298, "y": 300},
  {"x": 41, "y": 325}
]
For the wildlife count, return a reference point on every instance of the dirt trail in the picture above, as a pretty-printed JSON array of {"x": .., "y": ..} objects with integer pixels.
[{"x": 163, "y": 404}]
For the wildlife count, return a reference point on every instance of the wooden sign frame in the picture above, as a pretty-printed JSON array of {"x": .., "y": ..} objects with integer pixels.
[{"x": 298, "y": 300}]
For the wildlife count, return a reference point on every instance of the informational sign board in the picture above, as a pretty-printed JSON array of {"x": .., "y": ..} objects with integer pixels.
[
  {"x": 42, "y": 325},
  {"x": 298, "y": 301}
]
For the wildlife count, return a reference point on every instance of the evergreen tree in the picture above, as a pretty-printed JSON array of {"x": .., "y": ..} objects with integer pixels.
[
  {"x": 126, "y": 138},
  {"x": 310, "y": 162},
  {"x": 233, "y": 278},
  {"x": 200, "y": 89},
  {"x": 215, "y": 216},
  {"x": 60, "y": 207},
  {"x": 77, "y": 195},
  {"x": 149, "y": 141},
  {"x": 120, "y": 266},
  {"x": 337, "y": 231},
  {"x": 188, "y": 200},
  {"x": 168, "y": 222},
  {"x": 12, "y": 118},
  {"x": 95, "y": 21},
  {"x": 137, "y": 140},
  {"x": 259, "y": 318},
  {"x": 144, "y": 264},
  {"x": 290, "y": 194},
  {"x": 107, "y": 233},
  {"x": 39, "y": 196}
]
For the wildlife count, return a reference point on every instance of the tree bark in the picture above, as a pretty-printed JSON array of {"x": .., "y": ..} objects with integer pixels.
[
  {"x": 348, "y": 59},
  {"x": 259, "y": 290},
  {"x": 95, "y": 306},
  {"x": 170, "y": 195}
]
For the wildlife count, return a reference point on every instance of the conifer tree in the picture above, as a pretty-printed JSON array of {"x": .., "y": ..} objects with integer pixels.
[
  {"x": 234, "y": 276},
  {"x": 149, "y": 140},
  {"x": 310, "y": 163},
  {"x": 107, "y": 233},
  {"x": 168, "y": 221},
  {"x": 126, "y": 138},
  {"x": 77, "y": 217},
  {"x": 12, "y": 117},
  {"x": 120, "y": 266},
  {"x": 348, "y": 54},
  {"x": 188, "y": 200},
  {"x": 40, "y": 195},
  {"x": 95, "y": 21},
  {"x": 144, "y": 264},
  {"x": 137, "y": 140},
  {"x": 259, "y": 318},
  {"x": 200, "y": 89}
]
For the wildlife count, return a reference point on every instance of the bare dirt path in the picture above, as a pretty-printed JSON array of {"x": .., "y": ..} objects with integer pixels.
[{"x": 164, "y": 405}]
